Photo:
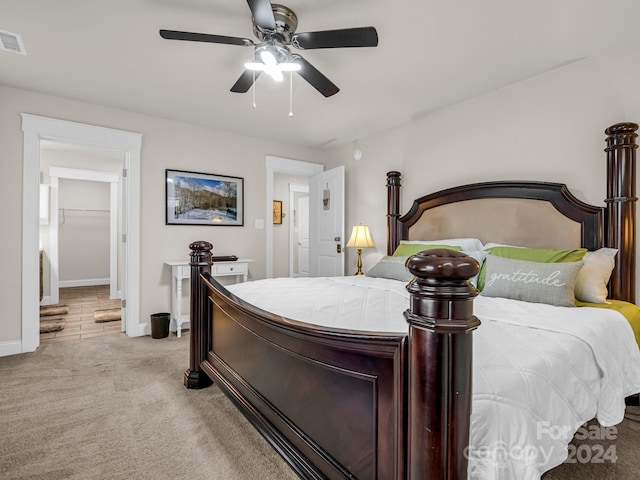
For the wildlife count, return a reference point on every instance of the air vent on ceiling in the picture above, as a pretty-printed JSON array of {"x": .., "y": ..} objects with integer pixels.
[{"x": 11, "y": 42}]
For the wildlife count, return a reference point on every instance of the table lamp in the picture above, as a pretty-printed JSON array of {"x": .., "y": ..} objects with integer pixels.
[{"x": 360, "y": 238}]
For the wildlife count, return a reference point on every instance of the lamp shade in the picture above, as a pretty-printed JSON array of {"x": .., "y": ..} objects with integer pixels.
[{"x": 360, "y": 237}]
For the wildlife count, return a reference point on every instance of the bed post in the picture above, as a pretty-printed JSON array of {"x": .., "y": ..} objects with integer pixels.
[
  {"x": 200, "y": 314},
  {"x": 621, "y": 207},
  {"x": 393, "y": 210},
  {"x": 440, "y": 320}
]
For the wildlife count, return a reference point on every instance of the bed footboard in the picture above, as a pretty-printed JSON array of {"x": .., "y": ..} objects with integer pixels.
[{"x": 346, "y": 404}]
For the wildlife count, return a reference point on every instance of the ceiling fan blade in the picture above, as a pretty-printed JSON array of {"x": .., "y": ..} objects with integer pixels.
[
  {"x": 317, "y": 80},
  {"x": 243, "y": 84},
  {"x": 262, "y": 14},
  {"x": 346, "y": 37},
  {"x": 205, "y": 37}
]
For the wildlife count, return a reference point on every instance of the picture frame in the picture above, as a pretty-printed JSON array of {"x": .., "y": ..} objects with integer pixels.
[
  {"x": 195, "y": 198},
  {"x": 277, "y": 212}
]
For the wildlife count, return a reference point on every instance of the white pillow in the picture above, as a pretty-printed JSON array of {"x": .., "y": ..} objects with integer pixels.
[
  {"x": 490, "y": 245},
  {"x": 463, "y": 243},
  {"x": 593, "y": 277}
]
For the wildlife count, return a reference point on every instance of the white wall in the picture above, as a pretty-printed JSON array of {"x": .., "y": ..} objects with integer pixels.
[
  {"x": 165, "y": 144},
  {"x": 550, "y": 128}
]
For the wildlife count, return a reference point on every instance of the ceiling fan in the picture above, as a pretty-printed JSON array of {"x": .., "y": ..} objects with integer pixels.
[{"x": 275, "y": 25}]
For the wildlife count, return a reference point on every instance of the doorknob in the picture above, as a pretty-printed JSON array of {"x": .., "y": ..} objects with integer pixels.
[{"x": 339, "y": 248}]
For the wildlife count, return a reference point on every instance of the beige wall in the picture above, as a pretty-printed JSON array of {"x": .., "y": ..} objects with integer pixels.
[
  {"x": 83, "y": 230},
  {"x": 165, "y": 144},
  {"x": 547, "y": 128}
]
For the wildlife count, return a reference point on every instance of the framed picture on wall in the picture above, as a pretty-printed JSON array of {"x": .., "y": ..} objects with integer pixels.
[
  {"x": 194, "y": 198},
  {"x": 277, "y": 212}
]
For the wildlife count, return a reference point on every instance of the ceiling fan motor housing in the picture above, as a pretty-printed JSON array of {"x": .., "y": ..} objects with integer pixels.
[{"x": 286, "y": 24}]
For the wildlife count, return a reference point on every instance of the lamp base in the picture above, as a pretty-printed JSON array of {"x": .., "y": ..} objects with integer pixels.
[{"x": 359, "y": 272}]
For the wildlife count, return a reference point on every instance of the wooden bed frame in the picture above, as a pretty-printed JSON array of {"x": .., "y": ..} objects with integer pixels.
[{"x": 349, "y": 404}]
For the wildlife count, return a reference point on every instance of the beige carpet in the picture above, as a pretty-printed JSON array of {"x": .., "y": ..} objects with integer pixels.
[
  {"x": 107, "y": 315},
  {"x": 115, "y": 408},
  {"x": 593, "y": 455}
]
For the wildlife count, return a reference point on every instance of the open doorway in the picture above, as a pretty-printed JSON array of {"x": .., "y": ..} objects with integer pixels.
[
  {"x": 80, "y": 226},
  {"x": 290, "y": 242},
  {"x": 36, "y": 130},
  {"x": 282, "y": 166},
  {"x": 299, "y": 230}
]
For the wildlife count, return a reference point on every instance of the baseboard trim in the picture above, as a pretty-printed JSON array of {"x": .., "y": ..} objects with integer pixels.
[
  {"x": 91, "y": 282},
  {"x": 10, "y": 348},
  {"x": 144, "y": 329}
]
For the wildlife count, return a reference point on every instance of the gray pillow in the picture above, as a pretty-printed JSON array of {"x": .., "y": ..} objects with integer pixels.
[
  {"x": 391, "y": 267},
  {"x": 551, "y": 283}
]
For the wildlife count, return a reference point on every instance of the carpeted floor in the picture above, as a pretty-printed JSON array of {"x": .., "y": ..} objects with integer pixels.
[
  {"x": 597, "y": 453},
  {"x": 115, "y": 408}
]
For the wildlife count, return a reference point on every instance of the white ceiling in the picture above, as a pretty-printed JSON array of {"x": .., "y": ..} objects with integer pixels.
[{"x": 431, "y": 53}]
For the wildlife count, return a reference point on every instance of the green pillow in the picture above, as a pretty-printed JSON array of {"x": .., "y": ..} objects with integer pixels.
[
  {"x": 408, "y": 249},
  {"x": 540, "y": 255}
]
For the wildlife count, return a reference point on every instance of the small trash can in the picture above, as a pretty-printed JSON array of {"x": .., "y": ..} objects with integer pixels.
[{"x": 160, "y": 325}]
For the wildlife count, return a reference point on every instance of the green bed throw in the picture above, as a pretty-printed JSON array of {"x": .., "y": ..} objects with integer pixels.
[{"x": 630, "y": 311}]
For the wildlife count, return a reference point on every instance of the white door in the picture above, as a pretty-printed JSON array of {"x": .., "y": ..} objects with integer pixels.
[
  {"x": 326, "y": 223},
  {"x": 303, "y": 237}
]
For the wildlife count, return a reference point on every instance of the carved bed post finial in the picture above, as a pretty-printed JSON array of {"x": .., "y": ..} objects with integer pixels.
[
  {"x": 440, "y": 320},
  {"x": 621, "y": 207},
  {"x": 200, "y": 312},
  {"x": 393, "y": 210}
]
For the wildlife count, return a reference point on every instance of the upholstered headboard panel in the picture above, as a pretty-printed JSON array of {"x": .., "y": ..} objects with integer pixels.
[{"x": 505, "y": 220}]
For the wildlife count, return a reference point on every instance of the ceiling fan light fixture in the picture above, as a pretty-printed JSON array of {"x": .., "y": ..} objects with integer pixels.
[
  {"x": 267, "y": 57},
  {"x": 273, "y": 59},
  {"x": 289, "y": 67},
  {"x": 257, "y": 66},
  {"x": 275, "y": 73}
]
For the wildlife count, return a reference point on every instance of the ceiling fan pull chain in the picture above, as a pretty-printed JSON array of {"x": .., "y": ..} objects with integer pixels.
[
  {"x": 254, "y": 90},
  {"x": 291, "y": 94}
]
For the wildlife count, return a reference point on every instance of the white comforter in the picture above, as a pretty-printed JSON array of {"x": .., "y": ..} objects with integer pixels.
[{"x": 539, "y": 371}]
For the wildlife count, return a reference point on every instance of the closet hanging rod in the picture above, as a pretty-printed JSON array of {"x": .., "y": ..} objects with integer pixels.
[{"x": 83, "y": 210}]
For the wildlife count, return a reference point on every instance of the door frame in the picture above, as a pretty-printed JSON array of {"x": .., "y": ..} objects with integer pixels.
[
  {"x": 281, "y": 165},
  {"x": 57, "y": 173},
  {"x": 36, "y": 128},
  {"x": 293, "y": 189}
]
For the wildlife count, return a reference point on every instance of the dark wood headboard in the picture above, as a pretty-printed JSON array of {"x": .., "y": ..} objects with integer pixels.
[{"x": 512, "y": 212}]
